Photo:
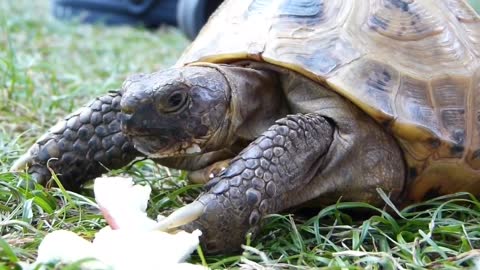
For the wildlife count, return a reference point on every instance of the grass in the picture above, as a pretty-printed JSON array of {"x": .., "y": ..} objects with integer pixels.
[{"x": 49, "y": 68}]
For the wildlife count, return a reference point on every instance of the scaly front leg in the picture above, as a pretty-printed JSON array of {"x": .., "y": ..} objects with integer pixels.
[
  {"x": 266, "y": 177},
  {"x": 82, "y": 146}
]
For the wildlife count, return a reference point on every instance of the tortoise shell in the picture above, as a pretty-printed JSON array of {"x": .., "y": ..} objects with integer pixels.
[{"x": 413, "y": 66}]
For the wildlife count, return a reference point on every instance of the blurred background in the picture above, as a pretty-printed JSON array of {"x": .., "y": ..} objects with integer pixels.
[
  {"x": 188, "y": 15},
  {"x": 475, "y": 4}
]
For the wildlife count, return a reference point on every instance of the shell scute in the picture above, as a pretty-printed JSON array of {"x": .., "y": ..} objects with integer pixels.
[
  {"x": 403, "y": 20},
  {"x": 374, "y": 86},
  {"x": 302, "y": 8},
  {"x": 473, "y": 151},
  {"x": 468, "y": 22},
  {"x": 414, "y": 104},
  {"x": 310, "y": 37}
]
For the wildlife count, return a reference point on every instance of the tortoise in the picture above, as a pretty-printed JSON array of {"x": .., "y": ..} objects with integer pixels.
[{"x": 280, "y": 104}]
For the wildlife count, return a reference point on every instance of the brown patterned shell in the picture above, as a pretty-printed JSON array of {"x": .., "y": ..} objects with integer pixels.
[{"x": 414, "y": 66}]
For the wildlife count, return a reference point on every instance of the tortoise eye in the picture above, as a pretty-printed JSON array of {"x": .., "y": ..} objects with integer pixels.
[{"x": 175, "y": 101}]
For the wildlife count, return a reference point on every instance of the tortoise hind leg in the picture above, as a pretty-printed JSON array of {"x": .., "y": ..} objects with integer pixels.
[{"x": 82, "y": 146}]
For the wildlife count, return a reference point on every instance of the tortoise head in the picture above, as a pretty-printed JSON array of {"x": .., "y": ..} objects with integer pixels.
[{"x": 176, "y": 112}]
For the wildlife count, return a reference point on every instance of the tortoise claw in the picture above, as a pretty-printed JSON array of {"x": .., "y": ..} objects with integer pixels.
[
  {"x": 26, "y": 163},
  {"x": 203, "y": 176},
  {"x": 22, "y": 163},
  {"x": 37, "y": 173},
  {"x": 29, "y": 162},
  {"x": 181, "y": 216}
]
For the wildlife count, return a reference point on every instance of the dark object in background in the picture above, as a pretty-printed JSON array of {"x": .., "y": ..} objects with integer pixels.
[
  {"x": 193, "y": 14},
  {"x": 189, "y": 15}
]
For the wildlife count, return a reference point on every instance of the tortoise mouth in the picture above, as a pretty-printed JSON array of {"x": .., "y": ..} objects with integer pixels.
[
  {"x": 148, "y": 145},
  {"x": 155, "y": 147},
  {"x": 159, "y": 141}
]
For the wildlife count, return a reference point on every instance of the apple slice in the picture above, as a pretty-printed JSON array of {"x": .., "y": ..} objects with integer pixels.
[
  {"x": 122, "y": 203},
  {"x": 129, "y": 242}
]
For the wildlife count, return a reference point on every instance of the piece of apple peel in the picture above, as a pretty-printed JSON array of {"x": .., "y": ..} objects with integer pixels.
[{"x": 131, "y": 240}]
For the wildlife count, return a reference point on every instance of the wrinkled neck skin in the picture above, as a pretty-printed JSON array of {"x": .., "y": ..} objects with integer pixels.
[{"x": 256, "y": 102}]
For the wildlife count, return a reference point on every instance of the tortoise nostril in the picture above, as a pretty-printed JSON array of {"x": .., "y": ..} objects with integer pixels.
[
  {"x": 125, "y": 119},
  {"x": 127, "y": 110},
  {"x": 128, "y": 105}
]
